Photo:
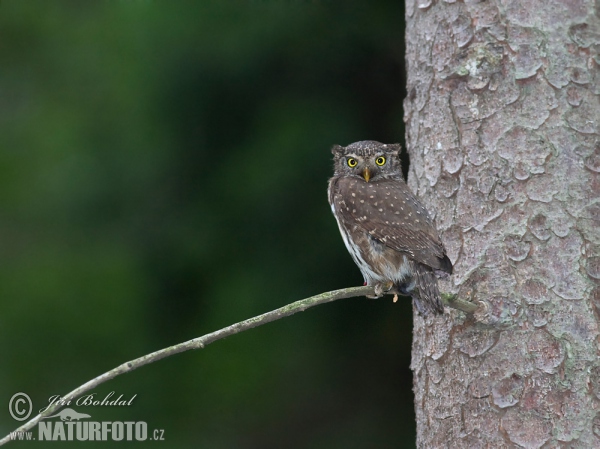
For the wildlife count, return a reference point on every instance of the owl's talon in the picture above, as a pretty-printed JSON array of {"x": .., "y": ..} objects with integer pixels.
[{"x": 381, "y": 289}]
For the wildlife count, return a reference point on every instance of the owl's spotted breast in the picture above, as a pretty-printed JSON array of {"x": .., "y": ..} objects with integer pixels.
[
  {"x": 378, "y": 262},
  {"x": 388, "y": 212}
]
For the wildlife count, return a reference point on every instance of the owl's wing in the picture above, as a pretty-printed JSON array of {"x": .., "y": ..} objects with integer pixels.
[{"x": 390, "y": 213}]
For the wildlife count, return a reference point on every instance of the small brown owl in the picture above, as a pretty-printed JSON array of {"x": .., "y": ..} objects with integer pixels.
[{"x": 386, "y": 229}]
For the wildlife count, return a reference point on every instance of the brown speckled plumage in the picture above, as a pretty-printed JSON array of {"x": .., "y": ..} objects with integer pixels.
[{"x": 386, "y": 229}]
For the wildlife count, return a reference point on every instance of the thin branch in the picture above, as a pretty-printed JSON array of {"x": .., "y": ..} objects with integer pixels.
[
  {"x": 196, "y": 343},
  {"x": 201, "y": 342},
  {"x": 460, "y": 304}
]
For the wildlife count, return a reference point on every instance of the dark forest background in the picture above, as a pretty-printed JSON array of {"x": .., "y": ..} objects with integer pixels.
[{"x": 163, "y": 173}]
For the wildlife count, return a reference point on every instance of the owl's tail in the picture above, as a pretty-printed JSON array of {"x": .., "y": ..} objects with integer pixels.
[{"x": 426, "y": 294}]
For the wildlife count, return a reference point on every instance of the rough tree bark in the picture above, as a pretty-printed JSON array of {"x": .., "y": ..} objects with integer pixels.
[{"x": 502, "y": 131}]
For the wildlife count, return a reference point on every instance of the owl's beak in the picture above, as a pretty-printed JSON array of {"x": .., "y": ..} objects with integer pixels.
[{"x": 366, "y": 174}]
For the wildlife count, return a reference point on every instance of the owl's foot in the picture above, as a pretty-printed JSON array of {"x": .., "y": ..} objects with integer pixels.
[
  {"x": 381, "y": 289},
  {"x": 405, "y": 289}
]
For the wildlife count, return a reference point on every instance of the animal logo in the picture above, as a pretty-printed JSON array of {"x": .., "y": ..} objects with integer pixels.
[{"x": 68, "y": 414}]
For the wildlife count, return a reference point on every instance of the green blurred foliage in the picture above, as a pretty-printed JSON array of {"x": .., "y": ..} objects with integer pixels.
[{"x": 163, "y": 172}]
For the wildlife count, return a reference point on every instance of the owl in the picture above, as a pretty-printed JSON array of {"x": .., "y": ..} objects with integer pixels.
[{"x": 386, "y": 229}]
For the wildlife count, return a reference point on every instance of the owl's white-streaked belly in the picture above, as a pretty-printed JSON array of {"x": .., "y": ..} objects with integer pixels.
[
  {"x": 375, "y": 266},
  {"x": 388, "y": 263}
]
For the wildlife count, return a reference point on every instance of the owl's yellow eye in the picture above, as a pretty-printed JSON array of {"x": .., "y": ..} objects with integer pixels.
[
  {"x": 352, "y": 162},
  {"x": 380, "y": 161}
]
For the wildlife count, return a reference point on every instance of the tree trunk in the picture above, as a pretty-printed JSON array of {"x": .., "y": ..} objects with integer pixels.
[{"x": 502, "y": 121}]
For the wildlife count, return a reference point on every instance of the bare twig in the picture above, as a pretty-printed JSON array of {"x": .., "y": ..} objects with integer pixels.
[
  {"x": 201, "y": 342},
  {"x": 460, "y": 304},
  {"x": 196, "y": 343}
]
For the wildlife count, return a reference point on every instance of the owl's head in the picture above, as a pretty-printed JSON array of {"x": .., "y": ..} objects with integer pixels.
[{"x": 368, "y": 160}]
